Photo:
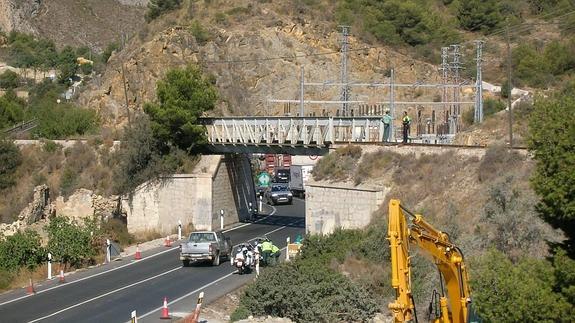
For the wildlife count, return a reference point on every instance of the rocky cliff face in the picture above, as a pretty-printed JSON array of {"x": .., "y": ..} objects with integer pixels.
[
  {"x": 92, "y": 23},
  {"x": 16, "y": 14},
  {"x": 238, "y": 56}
]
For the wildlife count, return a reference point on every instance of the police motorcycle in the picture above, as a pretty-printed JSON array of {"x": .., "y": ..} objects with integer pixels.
[{"x": 244, "y": 258}]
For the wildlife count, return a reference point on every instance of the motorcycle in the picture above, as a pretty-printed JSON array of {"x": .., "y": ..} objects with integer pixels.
[{"x": 243, "y": 259}]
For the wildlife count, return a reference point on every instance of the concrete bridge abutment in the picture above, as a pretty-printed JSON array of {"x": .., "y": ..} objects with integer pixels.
[{"x": 218, "y": 182}]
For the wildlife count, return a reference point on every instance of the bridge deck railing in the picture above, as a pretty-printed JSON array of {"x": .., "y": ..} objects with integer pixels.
[{"x": 316, "y": 131}]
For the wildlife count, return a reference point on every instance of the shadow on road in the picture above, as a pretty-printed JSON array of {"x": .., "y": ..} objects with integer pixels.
[{"x": 288, "y": 221}]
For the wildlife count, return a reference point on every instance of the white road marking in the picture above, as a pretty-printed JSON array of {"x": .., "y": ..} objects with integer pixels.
[
  {"x": 120, "y": 267},
  {"x": 246, "y": 224},
  {"x": 88, "y": 277},
  {"x": 191, "y": 293},
  {"x": 139, "y": 282},
  {"x": 188, "y": 294},
  {"x": 105, "y": 294}
]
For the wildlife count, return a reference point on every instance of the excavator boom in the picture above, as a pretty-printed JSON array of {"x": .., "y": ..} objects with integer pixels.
[{"x": 447, "y": 257}]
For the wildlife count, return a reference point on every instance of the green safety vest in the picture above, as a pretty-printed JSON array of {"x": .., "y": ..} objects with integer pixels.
[
  {"x": 275, "y": 249},
  {"x": 406, "y": 120},
  {"x": 267, "y": 246}
]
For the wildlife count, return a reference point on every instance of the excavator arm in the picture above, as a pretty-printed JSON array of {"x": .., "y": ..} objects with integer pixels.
[{"x": 446, "y": 256}]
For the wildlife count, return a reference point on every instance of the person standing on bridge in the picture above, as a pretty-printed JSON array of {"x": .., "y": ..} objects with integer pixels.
[
  {"x": 386, "y": 125},
  {"x": 406, "y": 122}
]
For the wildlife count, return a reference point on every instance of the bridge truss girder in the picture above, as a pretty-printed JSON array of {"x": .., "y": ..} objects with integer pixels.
[{"x": 289, "y": 131}]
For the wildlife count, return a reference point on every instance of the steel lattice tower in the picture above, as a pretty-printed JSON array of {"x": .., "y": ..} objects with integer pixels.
[{"x": 345, "y": 91}]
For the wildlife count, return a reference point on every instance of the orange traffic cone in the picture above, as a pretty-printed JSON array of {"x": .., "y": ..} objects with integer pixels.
[
  {"x": 30, "y": 289},
  {"x": 138, "y": 255},
  {"x": 167, "y": 242},
  {"x": 165, "y": 313},
  {"x": 61, "y": 277}
]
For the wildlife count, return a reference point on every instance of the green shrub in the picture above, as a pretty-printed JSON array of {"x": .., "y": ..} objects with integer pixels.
[
  {"x": 306, "y": 293},
  {"x": 68, "y": 182},
  {"x": 9, "y": 80},
  {"x": 395, "y": 22},
  {"x": 50, "y": 146},
  {"x": 10, "y": 159},
  {"x": 69, "y": 242},
  {"x": 109, "y": 50},
  {"x": 221, "y": 18},
  {"x": 200, "y": 34},
  {"x": 522, "y": 292},
  {"x": 492, "y": 106},
  {"x": 183, "y": 96},
  {"x": 479, "y": 15},
  {"x": 469, "y": 116},
  {"x": 551, "y": 128},
  {"x": 117, "y": 231},
  {"x": 21, "y": 250},
  {"x": 157, "y": 8},
  {"x": 60, "y": 121},
  {"x": 240, "y": 313},
  {"x": 12, "y": 109}
]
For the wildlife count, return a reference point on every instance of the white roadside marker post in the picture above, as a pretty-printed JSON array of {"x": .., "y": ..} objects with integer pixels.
[
  {"x": 221, "y": 219},
  {"x": 260, "y": 206},
  {"x": 179, "y": 229},
  {"x": 287, "y": 248},
  {"x": 108, "y": 251},
  {"x": 49, "y": 266}
]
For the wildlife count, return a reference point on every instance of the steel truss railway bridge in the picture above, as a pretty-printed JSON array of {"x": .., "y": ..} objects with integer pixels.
[{"x": 295, "y": 135}]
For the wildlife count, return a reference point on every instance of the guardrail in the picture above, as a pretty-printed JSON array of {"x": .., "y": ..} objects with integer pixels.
[{"x": 21, "y": 127}]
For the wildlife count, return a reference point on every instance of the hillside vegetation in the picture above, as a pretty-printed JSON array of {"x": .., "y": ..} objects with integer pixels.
[{"x": 510, "y": 213}]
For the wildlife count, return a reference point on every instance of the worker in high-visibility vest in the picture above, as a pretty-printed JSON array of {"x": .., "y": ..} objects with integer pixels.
[
  {"x": 267, "y": 247},
  {"x": 406, "y": 122},
  {"x": 275, "y": 255}
]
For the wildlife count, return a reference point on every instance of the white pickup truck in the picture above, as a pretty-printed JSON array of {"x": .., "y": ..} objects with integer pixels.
[{"x": 205, "y": 245}]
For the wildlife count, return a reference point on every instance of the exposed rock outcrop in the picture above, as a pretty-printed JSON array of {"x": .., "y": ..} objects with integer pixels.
[
  {"x": 80, "y": 205},
  {"x": 251, "y": 77},
  {"x": 92, "y": 23},
  {"x": 85, "y": 203},
  {"x": 39, "y": 208},
  {"x": 16, "y": 14}
]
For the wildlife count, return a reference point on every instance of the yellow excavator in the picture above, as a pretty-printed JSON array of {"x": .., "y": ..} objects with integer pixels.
[{"x": 456, "y": 307}]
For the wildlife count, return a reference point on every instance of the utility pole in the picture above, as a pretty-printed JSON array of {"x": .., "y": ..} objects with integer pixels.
[
  {"x": 478, "y": 116},
  {"x": 510, "y": 86},
  {"x": 444, "y": 74},
  {"x": 301, "y": 93},
  {"x": 126, "y": 95},
  {"x": 344, "y": 77},
  {"x": 392, "y": 103},
  {"x": 456, "y": 67}
]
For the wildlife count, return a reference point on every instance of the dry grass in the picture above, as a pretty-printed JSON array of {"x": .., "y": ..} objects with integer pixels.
[
  {"x": 496, "y": 158},
  {"x": 148, "y": 235},
  {"x": 375, "y": 277},
  {"x": 374, "y": 165},
  {"x": 338, "y": 165},
  {"x": 84, "y": 166}
]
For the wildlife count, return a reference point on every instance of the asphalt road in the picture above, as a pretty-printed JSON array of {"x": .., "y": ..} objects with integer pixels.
[{"x": 117, "y": 290}]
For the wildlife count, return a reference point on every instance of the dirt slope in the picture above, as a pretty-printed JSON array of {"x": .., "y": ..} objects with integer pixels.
[{"x": 93, "y": 23}]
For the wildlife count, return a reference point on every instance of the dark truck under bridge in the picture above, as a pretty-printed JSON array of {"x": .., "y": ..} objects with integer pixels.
[{"x": 289, "y": 135}]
